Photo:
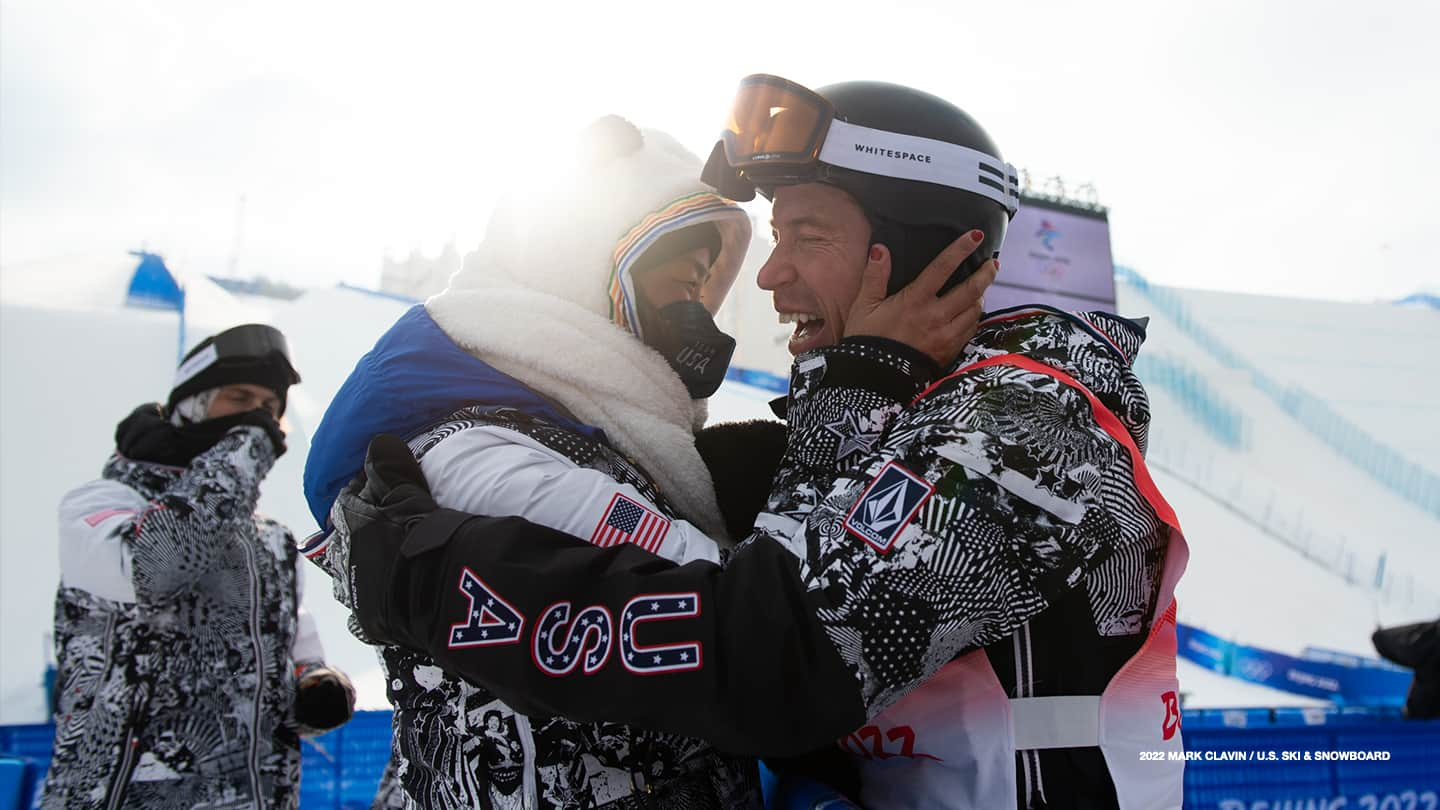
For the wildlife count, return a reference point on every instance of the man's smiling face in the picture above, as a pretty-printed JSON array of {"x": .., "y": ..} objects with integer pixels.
[{"x": 822, "y": 240}]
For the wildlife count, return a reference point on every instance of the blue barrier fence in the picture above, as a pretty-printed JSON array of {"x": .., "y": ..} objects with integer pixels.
[
  {"x": 763, "y": 380},
  {"x": 1201, "y": 400},
  {"x": 1336, "y": 677},
  {"x": 1390, "y": 468},
  {"x": 340, "y": 770},
  {"x": 404, "y": 299},
  {"x": 1351, "y": 758},
  {"x": 1350, "y": 763}
]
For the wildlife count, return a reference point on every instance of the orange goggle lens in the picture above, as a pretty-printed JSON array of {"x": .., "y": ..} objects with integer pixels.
[{"x": 775, "y": 121}]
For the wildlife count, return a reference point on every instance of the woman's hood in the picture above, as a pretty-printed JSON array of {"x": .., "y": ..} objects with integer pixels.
[{"x": 576, "y": 235}]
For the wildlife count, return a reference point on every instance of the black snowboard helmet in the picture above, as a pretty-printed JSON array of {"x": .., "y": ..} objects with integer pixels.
[
  {"x": 922, "y": 169},
  {"x": 253, "y": 353}
]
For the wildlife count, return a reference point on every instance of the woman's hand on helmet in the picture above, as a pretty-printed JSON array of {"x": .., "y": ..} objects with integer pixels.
[{"x": 936, "y": 325}]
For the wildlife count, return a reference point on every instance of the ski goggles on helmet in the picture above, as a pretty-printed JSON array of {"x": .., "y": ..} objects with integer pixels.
[{"x": 781, "y": 133}]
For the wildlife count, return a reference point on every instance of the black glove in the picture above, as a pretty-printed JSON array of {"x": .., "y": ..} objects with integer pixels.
[
  {"x": 1422, "y": 702},
  {"x": 262, "y": 419},
  {"x": 393, "y": 480},
  {"x": 324, "y": 699},
  {"x": 379, "y": 507},
  {"x": 743, "y": 458},
  {"x": 147, "y": 435}
]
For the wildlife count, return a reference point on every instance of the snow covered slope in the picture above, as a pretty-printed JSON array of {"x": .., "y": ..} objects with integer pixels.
[
  {"x": 1290, "y": 486},
  {"x": 1376, "y": 364},
  {"x": 1287, "y": 534}
]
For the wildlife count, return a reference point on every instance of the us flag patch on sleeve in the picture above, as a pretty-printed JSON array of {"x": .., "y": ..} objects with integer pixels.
[
  {"x": 626, "y": 520},
  {"x": 887, "y": 506}
]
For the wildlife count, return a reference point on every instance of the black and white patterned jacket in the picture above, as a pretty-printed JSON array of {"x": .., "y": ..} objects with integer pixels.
[{"x": 179, "y": 638}]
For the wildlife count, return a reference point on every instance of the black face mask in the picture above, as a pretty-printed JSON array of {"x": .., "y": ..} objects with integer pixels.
[
  {"x": 686, "y": 334},
  {"x": 147, "y": 435}
]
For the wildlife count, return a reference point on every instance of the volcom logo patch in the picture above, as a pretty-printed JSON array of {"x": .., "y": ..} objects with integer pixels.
[{"x": 886, "y": 506}]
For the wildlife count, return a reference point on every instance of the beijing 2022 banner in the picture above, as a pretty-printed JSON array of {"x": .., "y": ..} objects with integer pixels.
[{"x": 1055, "y": 254}]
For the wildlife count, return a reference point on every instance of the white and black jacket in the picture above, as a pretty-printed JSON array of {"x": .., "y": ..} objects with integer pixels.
[
  {"x": 989, "y": 540},
  {"x": 179, "y": 638}
]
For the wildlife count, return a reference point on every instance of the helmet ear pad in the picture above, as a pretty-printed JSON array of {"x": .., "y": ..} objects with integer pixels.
[
  {"x": 916, "y": 228},
  {"x": 909, "y": 247}
]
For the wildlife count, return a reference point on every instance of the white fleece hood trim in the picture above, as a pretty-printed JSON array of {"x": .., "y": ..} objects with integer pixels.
[
  {"x": 695, "y": 209},
  {"x": 535, "y": 302},
  {"x": 598, "y": 371}
]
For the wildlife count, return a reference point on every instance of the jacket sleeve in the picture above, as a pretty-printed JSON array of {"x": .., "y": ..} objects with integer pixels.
[
  {"x": 178, "y": 537},
  {"x": 306, "y": 651},
  {"x": 495, "y": 471},
  {"x": 116, "y": 544},
  {"x": 94, "y": 519},
  {"x": 556, "y": 626}
]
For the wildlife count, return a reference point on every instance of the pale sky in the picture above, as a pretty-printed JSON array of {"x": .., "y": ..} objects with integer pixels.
[{"x": 1278, "y": 148}]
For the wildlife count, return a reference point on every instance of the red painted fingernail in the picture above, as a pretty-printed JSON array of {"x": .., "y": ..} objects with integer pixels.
[
  {"x": 875, "y": 253},
  {"x": 977, "y": 235}
]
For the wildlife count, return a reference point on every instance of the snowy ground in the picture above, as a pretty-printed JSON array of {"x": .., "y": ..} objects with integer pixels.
[
  {"x": 1244, "y": 585},
  {"x": 1376, "y": 364},
  {"x": 75, "y": 361}
]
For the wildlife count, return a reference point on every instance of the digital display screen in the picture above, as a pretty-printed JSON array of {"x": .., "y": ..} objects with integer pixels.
[{"x": 1055, "y": 255}]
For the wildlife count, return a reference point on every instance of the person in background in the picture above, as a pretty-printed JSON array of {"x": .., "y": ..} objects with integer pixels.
[
  {"x": 188, "y": 670},
  {"x": 1416, "y": 646}
]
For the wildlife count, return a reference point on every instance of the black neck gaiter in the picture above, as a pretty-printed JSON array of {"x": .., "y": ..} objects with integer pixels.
[{"x": 147, "y": 435}]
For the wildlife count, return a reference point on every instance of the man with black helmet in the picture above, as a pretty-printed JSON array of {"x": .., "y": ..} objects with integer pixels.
[
  {"x": 187, "y": 668},
  {"x": 963, "y": 571}
]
